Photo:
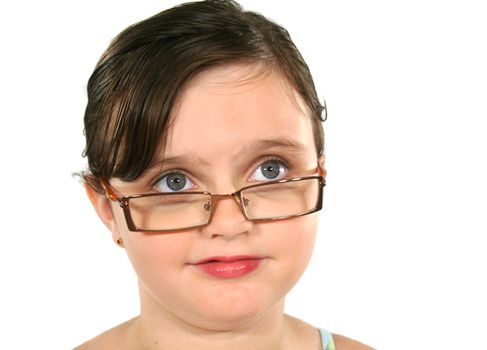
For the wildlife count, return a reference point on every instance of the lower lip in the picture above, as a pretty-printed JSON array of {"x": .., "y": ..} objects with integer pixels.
[{"x": 232, "y": 269}]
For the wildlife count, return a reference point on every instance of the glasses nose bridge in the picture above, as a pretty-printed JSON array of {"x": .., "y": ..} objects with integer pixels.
[{"x": 216, "y": 198}]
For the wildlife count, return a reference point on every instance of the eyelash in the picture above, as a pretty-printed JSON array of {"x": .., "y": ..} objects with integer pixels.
[{"x": 276, "y": 159}]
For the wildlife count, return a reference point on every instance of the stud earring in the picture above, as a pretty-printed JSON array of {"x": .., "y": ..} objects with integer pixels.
[{"x": 120, "y": 242}]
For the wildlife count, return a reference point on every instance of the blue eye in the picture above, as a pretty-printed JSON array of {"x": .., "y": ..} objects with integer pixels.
[
  {"x": 173, "y": 182},
  {"x": 270, "y": 170}
]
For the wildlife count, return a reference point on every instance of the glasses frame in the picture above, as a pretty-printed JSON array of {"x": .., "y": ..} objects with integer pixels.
[{"x": 123, "y": 201}]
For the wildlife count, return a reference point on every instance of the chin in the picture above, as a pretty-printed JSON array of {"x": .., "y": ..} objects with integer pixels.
[
  {"x": 237, "y": 308},
  {"x": 238, "y": 317}
]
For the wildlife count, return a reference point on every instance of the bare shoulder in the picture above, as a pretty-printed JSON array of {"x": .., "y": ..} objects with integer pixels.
[
  {"x": 304, "y": 335},
  {"x": 309, "y": 338},
  {"x": 114, "y": 338},
  {"x": 344, "y": 343}
]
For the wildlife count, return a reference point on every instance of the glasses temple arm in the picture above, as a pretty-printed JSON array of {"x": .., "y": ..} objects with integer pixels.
[{"x": 110, "y": 191}]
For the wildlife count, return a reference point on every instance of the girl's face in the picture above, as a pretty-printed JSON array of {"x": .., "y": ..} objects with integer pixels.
[{"x": 230, "y": 127}]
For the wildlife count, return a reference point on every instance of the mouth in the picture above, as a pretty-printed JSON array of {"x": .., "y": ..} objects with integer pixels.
[{"x": 229, "y": 266}]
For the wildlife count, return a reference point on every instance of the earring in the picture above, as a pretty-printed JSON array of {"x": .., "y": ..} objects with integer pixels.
[{"x": 120, "y": 242}]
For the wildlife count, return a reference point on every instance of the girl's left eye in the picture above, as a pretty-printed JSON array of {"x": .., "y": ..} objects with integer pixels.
[
  {"x": 173, "y": 182},
  {"x": 270, "y": 170}
]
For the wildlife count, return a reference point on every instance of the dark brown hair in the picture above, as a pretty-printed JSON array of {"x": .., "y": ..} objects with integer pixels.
[{"x": 137, "y": 80}]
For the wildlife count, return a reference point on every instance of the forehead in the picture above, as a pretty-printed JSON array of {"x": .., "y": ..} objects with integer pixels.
[{"x": 223, "y": 110}]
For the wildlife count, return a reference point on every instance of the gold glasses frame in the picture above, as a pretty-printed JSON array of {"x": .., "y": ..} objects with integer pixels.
[{"x": 123, "y": 201}]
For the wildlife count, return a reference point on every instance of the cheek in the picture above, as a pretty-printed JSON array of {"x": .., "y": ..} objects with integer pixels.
[
  {"x": 298, "y": 235},
  {"x": 294, "y": 242},
  {"x": 155, "y": 257},
  {"x": 152, "y": 254}
]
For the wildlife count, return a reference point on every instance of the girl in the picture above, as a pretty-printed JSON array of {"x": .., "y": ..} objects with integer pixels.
[{"x": 205, "y": 151}]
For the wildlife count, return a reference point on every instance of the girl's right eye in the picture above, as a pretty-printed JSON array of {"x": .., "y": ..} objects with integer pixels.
[{"x": 173, "y": 182}]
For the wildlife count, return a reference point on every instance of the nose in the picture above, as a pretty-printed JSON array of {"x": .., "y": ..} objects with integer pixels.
[{"x": 227, "y": 219}]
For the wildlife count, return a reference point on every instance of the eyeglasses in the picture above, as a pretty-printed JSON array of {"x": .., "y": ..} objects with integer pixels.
[{"x": 164, "y": 212}]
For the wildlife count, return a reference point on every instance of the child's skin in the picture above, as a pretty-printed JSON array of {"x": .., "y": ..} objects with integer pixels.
[{"x": 228, "y": 122}]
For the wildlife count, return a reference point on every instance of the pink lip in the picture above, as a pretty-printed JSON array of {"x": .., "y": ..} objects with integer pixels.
[{"x": 229, "y": 266}]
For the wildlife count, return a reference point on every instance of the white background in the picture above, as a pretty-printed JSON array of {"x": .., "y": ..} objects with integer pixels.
[{"x": 400, "y": 261}]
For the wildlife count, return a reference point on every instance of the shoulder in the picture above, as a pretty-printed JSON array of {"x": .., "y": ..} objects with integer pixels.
[
  {"x": 344, "y": 343},
  {"x": 114, "y": 338}
]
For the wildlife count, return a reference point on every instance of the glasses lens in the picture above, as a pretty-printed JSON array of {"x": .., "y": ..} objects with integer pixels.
[
  {"x": 281, "y": 199},
  {"x": 170, "y": 211}
]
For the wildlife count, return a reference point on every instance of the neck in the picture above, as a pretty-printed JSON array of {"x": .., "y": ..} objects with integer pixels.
[{"x": 157, "y": 328}]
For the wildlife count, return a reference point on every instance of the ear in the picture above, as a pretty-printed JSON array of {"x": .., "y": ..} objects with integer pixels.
[
  {"x": 321, "y": 166},
  {"x": 102, "y": 207}
]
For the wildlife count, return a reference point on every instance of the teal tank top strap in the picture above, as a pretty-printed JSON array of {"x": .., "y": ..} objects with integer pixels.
[{"x": 326, "y": 340}]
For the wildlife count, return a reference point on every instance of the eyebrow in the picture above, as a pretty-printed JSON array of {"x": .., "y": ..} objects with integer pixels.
[
  {"x": 283, "y": 144},
  {"x": 181, "y": 159}
]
